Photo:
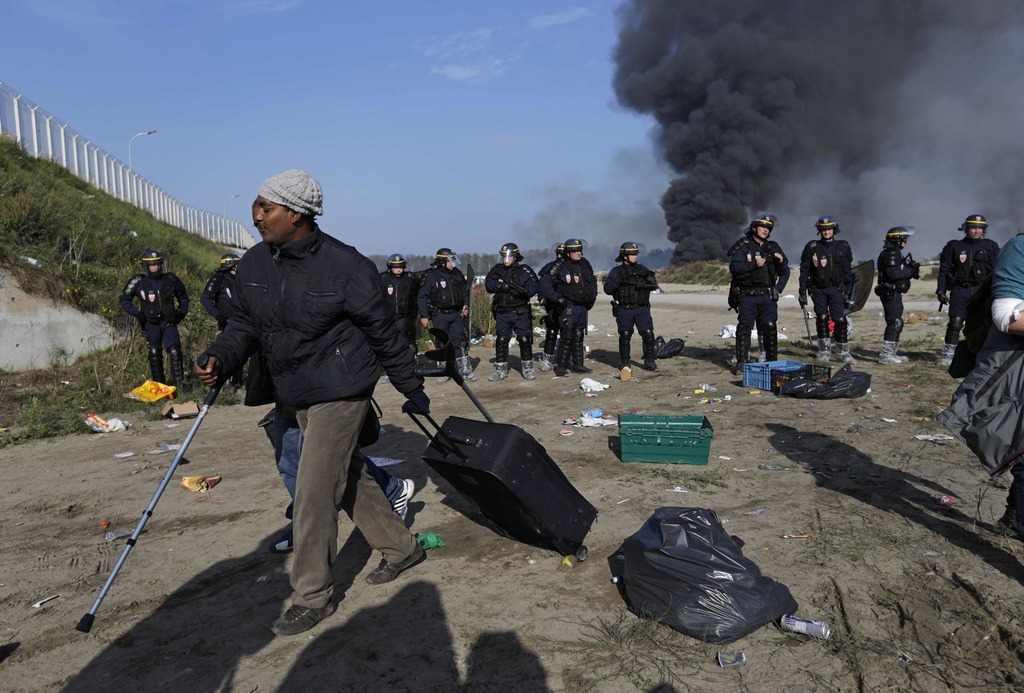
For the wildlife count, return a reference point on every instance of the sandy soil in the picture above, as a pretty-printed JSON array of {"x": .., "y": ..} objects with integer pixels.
[{"x": 920, "y": 596}]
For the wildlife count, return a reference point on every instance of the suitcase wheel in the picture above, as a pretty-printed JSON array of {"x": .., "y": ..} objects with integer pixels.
[{"x": 581, "y": 553}]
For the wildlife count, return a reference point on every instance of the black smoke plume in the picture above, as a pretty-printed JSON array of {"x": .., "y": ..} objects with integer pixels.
[{"x": 882, "y": 113}]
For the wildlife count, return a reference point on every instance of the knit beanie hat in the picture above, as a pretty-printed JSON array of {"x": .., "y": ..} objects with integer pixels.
[{"x": 296, "y": 190}]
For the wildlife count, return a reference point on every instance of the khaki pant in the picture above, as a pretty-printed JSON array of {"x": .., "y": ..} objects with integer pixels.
[{"x": 332, "y": 477}]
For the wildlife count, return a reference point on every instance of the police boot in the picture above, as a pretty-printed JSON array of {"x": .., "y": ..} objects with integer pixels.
[
  {"x": 843, "y": 353},
  {"x": 177, "y": 369},
  {"x": 562, "y": 353},
  {"x": 547, "y": 360},
  {"x": 528, "y": 373},
  {"x": 650, "y": 364},
  {"x": 466, "y": 369},
  {"x": 156, "y": 364},
  {"x": 442, "y": 365},
  {"x": 500, "y": 372},
  {"x": 742, "y": 349},
  {"x": 624, "y": 339},
  {"x": 578, "y": 352},
  {"x": 888, "y": 353},
  {"x": 768, "y": 336},
  {"x": 946, "y": 357},
  {"x": 500, "y": 359},
  {"x": 824, "y": 350}
]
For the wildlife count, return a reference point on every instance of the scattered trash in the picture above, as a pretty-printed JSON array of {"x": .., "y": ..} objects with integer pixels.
[
  {"x": 708, "y": 387},
  {"x": 429, "y": 540},
  {"x": 593, "y": 413},
  {"x": 731, "y": 659},
  {"x": 723, "y": 457},
  {"x": 772, "y": 467},
  {"x": 122, "y": 455},
  {"x": 752, "y": 513},
  {"x": 114, "y": 536},
  {"x": 905, "y": 386},
  {"x": 699, "y": 391},
  {"x": 183, "y": 410},
  {"x": 172, "y": 425},
  {"x": 567, "y": 561},
  {"x": 940, "y": 438},
  {"x": 904, "y": 659},
  {"x": 100, "y": 426},
  {"x": 571, "y": 421},
  {"x": 889, "y": 420},
  {"x": 565, "y": 432},
  {"x": 796, "y": 536},
  {"x": 626, "y": 374},
  {"x": 199, "y": 484},
  {"x": 727, "y": 398},
  {"x": 151, "y": 391},
  {"x": 104, "y": 523},
  {"x": 816, "y": 629},
  {"x": 43, "y": 601},
  {"x": 591, "y": 385},
  {"x": 678, "y": 489},
  {"x": 624, "y": 500},
  {"x": 944, "y": 500},
  {"x": 158, "y": 451}
]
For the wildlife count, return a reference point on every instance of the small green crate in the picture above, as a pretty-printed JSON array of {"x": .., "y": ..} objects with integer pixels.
[
  {"x": 666, "y": 439},
  {"x": 759, "y": 374},
  {"x": 810, "y": 371}
]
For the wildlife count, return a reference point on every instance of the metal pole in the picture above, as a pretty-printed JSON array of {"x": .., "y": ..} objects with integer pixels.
[{"x": 140, "y": 134}]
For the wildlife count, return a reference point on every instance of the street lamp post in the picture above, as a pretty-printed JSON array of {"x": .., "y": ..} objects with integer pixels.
[
  {"x": 229, "y": 198},
  {"x": 141, "y": 134}
]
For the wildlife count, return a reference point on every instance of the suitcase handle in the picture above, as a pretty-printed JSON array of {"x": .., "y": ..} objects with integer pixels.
[{"x": 450, "y": 444}]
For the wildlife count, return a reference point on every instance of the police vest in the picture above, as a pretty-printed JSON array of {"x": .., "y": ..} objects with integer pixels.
[
  {"x": 517, "y": 277},
  {"x": 398, "y": 292},
  {"x": 827, "y": 269},
  {"x": 446, "y": 289},
  {"x": 156, "y": 297},
  {"x": 891, "y": 258},
  {"x": 971, "y": 263},
  {"x": 220, "y": 289},
  {"x": 759, "y": 277},
  {"x": 636, "y": 283},
  {"x": 574, "y": 281}
]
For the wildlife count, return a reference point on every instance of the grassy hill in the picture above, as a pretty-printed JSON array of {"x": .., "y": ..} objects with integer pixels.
[{"x": 65, "y": 240}]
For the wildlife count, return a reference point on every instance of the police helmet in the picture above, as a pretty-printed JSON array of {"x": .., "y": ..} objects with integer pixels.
[
  {"x": 974, "y": 220},
  {"x": 558, "y": 249},
  {"x": 573, "y": 245},
  {"x": 898, "y": 234},
  {"x": 627, "y": 248},
  {"x": 151, "y": 257},
  {"x": 229, "y": 261},
  {"x": 764, "y": 219},
  {"x": 444, "y": 255},
  {"x": 827, "y": 222},
  {"x": 396, "y": 260},
  {"x": 510, "y": 250}
]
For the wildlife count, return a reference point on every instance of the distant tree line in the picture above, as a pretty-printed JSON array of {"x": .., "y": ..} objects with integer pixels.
[{"x": 602, "y": 257}]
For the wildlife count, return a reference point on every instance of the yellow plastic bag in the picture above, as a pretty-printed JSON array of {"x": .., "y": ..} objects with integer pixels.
[{"x": 150, "y": 391}]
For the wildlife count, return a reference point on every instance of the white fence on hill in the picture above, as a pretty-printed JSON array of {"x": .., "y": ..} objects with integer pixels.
[{"x": 43, "y": 135}]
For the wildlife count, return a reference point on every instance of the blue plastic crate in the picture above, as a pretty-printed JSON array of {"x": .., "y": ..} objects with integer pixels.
[{"x": 759, "y": 375}]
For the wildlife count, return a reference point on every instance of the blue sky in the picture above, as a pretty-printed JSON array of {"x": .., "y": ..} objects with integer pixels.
[{"x": 448, "y": 123}]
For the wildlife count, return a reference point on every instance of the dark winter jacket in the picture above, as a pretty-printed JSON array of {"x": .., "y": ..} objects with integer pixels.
[
  {"x": 157, "y": 298},
  {"x": 572, "y": 282},
  {"x": 317, "y": 310},
  {"x": 512, "y": 286}
]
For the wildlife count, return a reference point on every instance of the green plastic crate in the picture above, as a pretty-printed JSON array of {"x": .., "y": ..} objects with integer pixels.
[{"x": 679, "y": 439}]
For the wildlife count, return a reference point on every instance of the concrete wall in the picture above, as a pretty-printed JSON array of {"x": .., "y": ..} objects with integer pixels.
[{"x": 34, "y": 331}]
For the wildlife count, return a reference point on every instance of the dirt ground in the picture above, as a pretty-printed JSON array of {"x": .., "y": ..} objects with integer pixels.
[{"x": 920, "y": 596}]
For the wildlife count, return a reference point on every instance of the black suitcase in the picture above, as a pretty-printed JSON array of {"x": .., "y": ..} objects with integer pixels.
[{"x": 510, "y": 478}]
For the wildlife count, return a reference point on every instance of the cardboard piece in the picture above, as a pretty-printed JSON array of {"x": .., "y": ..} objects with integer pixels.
[
  {"x": 180, "y": 410},
  {"x": 626, "y": 374}
]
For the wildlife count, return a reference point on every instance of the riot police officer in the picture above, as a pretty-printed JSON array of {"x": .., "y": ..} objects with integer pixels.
[
  {"x": 400, "y": 289},
  {"x": 760, "y": 272},
  {"x": 513, "y": 284},
  {"x": 551, "y": 310},
  {"x": 571, "y": 284},
  {"x": 826, "y": 271},
  {"x": 895, "y": 270},
  {"x": 220, "y": 289},
  {"x": 163, "y": 303},
  {"x": 963, "y": 264},
  {"x": 630, "y": 285},
  {"x": 443, "y": 299}
]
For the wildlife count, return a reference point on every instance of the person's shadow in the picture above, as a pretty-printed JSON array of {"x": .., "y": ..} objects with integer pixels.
[
  {"x": 406, "y": 644},
  {"x": 903, "y": 493}
]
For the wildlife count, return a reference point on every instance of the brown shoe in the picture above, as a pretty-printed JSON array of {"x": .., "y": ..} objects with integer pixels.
[
  {"x": 386, "y": 572},
  {"x": 299, "y": 619}
]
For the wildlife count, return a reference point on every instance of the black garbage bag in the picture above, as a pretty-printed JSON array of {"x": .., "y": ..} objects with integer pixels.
[
  {"x": 666, "y": 350},
  {"x": 845, "y": 384},
  {"x": 685, "y": 571}
]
